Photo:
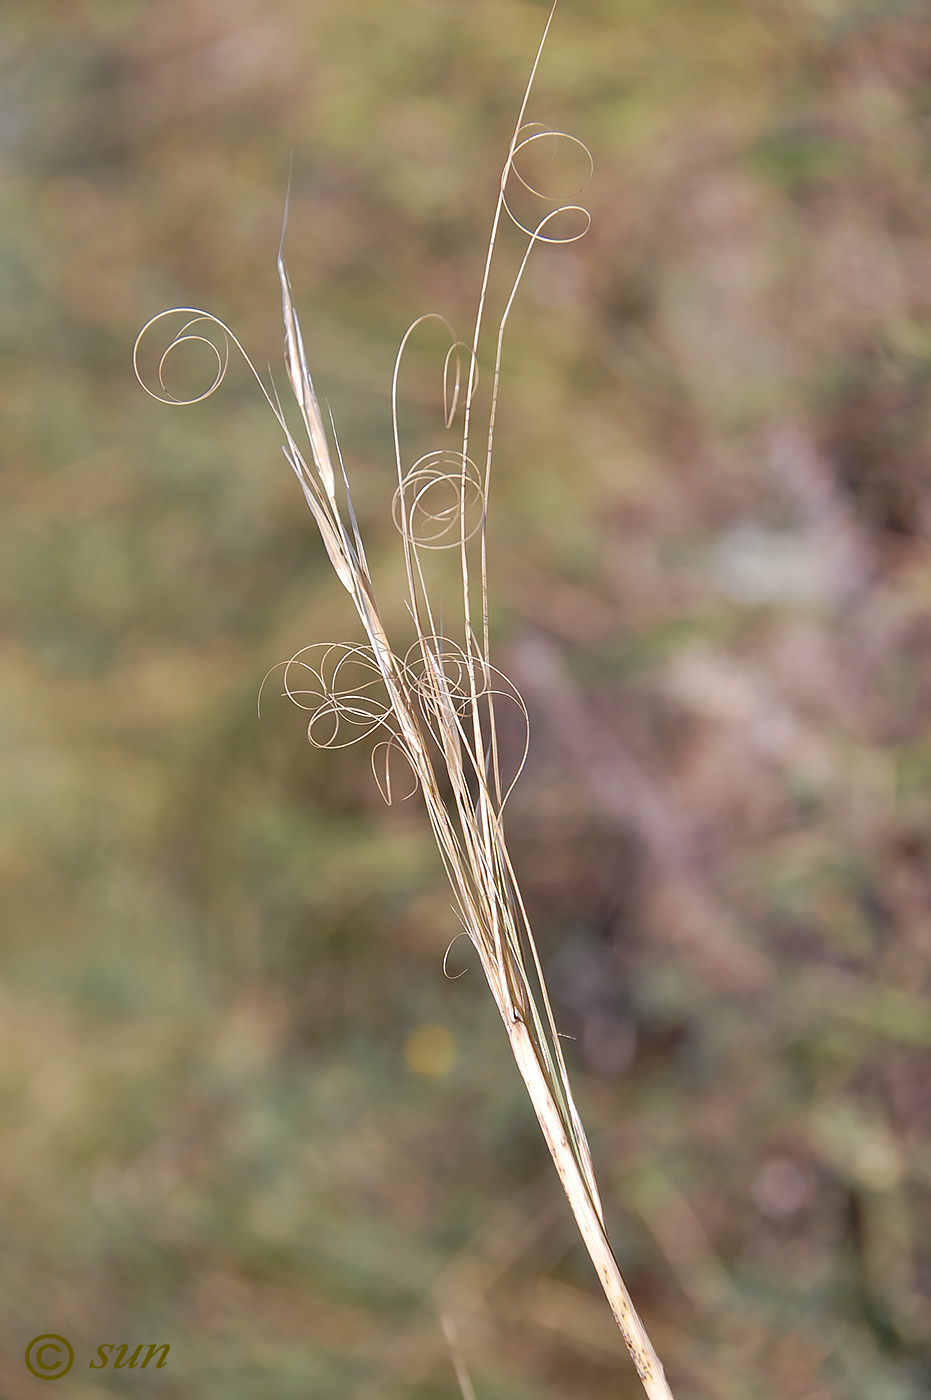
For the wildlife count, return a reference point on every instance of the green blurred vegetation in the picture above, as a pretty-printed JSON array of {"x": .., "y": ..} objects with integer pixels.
[{"x": 711, "y": 581}]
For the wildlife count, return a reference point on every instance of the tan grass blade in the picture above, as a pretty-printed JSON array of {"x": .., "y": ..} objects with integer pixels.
[{"x": 438, "y": 704}]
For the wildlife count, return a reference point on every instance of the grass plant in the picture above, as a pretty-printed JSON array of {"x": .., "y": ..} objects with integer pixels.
[{"x": 433, "y": 706}]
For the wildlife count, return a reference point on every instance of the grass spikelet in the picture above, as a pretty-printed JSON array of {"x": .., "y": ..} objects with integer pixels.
[{"x": 437, "y": 703}]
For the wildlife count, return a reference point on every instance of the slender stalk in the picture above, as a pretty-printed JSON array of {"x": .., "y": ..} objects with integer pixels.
[
  {"x": 588, "y": 1218},
  {"x": 438, "y": 704}
]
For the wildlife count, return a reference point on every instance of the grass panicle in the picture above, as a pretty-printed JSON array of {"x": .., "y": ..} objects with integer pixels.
[{"x": 436, "y": 703}]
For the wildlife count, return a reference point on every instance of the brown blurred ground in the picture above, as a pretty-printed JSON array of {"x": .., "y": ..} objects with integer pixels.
[{"x": 711, "y": 571}]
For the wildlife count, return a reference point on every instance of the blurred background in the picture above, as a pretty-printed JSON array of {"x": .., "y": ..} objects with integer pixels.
[{"x": 244, "y": 1111}]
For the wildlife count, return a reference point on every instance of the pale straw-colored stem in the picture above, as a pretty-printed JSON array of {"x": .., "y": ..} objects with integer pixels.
[
  {"x": 587, "y": 1215},
  {"x": 445, "y": 723}
]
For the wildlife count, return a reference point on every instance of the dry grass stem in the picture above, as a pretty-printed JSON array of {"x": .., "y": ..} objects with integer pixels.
[{"x": 437, "y": 703}]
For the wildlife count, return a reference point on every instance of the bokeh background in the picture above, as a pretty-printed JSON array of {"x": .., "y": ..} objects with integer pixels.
[{"x": 244, "y": 1111}]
